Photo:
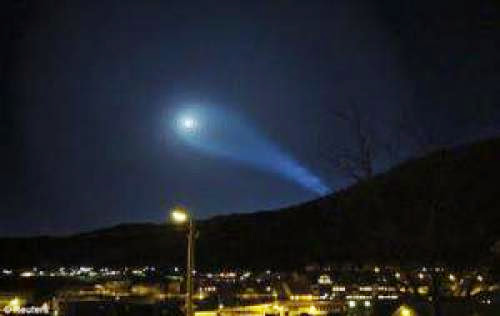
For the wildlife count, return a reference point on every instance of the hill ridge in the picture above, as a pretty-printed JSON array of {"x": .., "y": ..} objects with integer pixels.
[{"x": 442, "y": 207}]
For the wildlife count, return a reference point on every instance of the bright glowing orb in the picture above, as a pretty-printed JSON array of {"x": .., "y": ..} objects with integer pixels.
[{"x": 187, "y": 124}]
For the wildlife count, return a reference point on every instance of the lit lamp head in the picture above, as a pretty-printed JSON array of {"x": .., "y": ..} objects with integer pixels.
[{"x": 179, "y": 215}]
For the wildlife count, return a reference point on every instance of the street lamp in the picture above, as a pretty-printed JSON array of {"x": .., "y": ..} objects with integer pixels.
[{"x": 180, "y": 215}]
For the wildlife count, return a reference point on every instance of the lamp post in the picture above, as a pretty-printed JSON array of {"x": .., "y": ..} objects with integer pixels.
[{"x": 181, "y": 216}]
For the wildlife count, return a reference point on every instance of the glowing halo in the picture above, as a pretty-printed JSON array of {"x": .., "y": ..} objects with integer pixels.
[{"x": 226, "y": 134}]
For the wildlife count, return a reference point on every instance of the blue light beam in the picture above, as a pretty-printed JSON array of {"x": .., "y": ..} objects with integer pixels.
[{"x": 223, "y": 134}]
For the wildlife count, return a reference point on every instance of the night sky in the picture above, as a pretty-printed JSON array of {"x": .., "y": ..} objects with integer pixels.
[{"x": 89, "y": 90}]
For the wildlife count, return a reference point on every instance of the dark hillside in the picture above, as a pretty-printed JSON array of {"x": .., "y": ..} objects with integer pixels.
[{"x": 444, "y": 207}]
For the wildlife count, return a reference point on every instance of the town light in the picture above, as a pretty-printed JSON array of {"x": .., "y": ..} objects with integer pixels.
[
  {"x": 405, "y": 311},
  {"x": 15, "y": 305}
]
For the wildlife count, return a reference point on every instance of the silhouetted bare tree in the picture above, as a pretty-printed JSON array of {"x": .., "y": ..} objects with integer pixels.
[{"x": 355, "y": 160}]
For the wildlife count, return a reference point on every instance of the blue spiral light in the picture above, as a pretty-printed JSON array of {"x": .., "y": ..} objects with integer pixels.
[{"x": 227, "y": 135}]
